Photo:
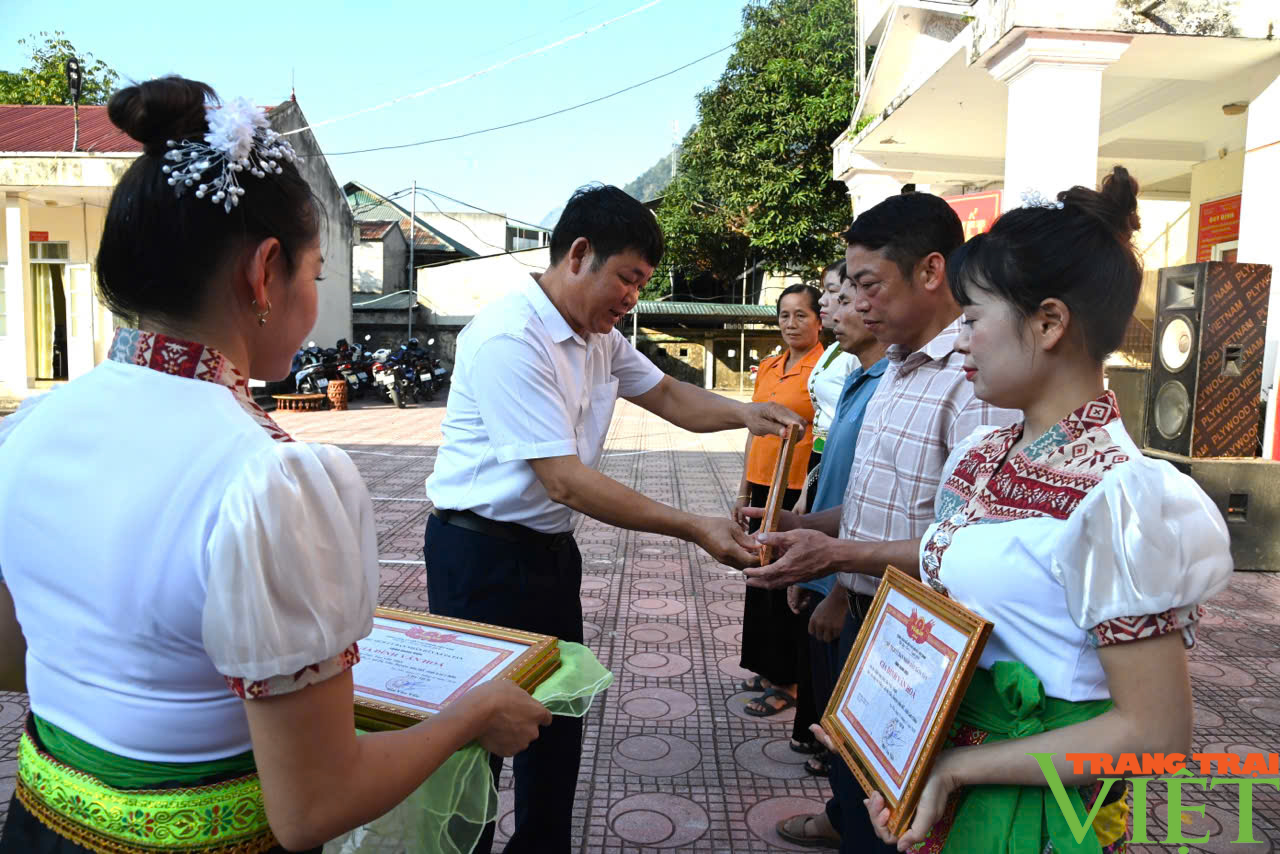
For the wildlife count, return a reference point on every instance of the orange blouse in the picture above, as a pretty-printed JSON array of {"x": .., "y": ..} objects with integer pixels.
[{"x": 790, "y": 388}]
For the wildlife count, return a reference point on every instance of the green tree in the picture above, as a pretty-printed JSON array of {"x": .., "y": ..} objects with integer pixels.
[
  {"x": 44, "y": 80},
  {"x": 754, "y": 176}
]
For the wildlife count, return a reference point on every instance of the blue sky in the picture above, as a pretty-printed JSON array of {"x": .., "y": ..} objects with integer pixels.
[{"x": 349, "y": 56}]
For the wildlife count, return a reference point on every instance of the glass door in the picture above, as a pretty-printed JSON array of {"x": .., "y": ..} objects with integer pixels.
[{"x": 49, "y": 297}]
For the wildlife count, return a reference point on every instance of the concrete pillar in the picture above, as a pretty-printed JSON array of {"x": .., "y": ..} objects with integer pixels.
[
  {"x": 14, "y": 370},
  {"x": 708, "y": 362},
  {"x": 1259, "y": 225},
  {"x": 868, "y": 189},
  {"x": 1055, "y": 97}
]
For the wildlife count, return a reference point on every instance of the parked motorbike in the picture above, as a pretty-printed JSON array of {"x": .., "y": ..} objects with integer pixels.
[
  {"x": 388, "y": 377},
  {"x": 438, "y": 371},
  {"x": 349, "y": 369},
  {"x": 311, "y": 377}
]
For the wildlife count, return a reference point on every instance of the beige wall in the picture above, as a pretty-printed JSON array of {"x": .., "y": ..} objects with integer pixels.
[
  {"x": 89, "y": 327},
  {"x": 80, "y": 226},
  {"x": 1211, "y": 180},
  {"x": 774, "y": 284}
]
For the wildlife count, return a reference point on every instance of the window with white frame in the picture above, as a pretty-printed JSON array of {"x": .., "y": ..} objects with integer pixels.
[{"x": 52, "y": 253}]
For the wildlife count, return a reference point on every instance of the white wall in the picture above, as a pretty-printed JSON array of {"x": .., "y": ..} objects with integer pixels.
[
  {"x": 1260, "y": 223},
  {"x": 366, "y": 267},
  {"x": 464, "y": 287}
]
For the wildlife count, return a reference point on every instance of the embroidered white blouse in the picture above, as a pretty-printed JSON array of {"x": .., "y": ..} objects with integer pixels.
[
  {"x": 169, "y": 549},
  {"x": 1075, "y": 542},
  {"x": 826, "y": 381}
]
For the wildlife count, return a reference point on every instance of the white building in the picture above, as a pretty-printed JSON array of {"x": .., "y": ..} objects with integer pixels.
[
  {"x": 53, "y": 327},
  {"x": 965, "y": 96},
  {"x": 480, "y": 233}
]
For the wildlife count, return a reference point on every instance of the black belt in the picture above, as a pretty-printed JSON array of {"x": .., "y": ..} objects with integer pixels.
[
  {"x": 509, "y": 531},
  {"x": 859, "y": 604}
]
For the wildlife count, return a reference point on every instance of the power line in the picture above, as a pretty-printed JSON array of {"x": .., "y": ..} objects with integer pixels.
[
  {"x": 482, "y": 71},
  {"x": 523, "y": 121},
  {"x": 482, "y": 210},
  {"x": 502, "y": 249}
]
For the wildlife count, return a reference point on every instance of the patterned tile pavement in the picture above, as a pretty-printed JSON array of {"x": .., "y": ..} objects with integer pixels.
[{"x": 670, "y": 760}]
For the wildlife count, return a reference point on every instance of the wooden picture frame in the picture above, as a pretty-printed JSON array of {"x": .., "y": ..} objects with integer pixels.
[
  {"x": 778, "y": 488},
  {"x": 414, "y": 664},
  {"x": 887, "y": 730}
]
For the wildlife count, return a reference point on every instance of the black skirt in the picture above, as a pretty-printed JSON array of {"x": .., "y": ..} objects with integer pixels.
[{"x": 771, "y": 634}]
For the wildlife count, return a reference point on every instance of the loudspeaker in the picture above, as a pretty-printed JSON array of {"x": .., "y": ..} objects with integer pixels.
[
  {"x": 1206, "y": 361},
  {"x": 1130, "y": 388}
]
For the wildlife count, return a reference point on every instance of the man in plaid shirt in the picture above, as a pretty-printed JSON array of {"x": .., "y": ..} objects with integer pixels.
[{"x": 923, "y": 408}]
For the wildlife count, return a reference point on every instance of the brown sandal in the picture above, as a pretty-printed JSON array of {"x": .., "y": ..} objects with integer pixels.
[{"x": 793, "y": 831}]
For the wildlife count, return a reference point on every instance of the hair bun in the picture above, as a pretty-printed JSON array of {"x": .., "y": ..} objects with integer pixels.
[
  {"x": 1115, "y": 205},
  {"x": 160, "y": 110}
]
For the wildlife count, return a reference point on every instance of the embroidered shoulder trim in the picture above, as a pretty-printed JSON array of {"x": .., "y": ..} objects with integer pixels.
[
  {"x": 193, "y": 361},
  {"x": 274, "y": 686},
  {"x": 1128, "y": 629},
  {"x": 1048, "y": 478}
]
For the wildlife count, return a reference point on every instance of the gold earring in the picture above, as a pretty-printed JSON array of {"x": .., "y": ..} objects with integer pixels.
[{"x": 262, "y": 315}]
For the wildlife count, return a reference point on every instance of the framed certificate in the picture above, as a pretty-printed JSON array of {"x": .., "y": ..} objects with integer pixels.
[
  {"x": 893, "y": 705},
  {"x": 412, "y": 665},
  {"x": 781, "y": 469}
]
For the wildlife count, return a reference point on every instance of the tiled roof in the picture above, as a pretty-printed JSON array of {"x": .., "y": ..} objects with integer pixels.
[
  {"x": 388, "y": 302},
  {"x": 375, "y": 229},
  {"x": 368, "y": 206},
  {"x": 705, "y": 309},
  {"x": 52, "y": 128}
]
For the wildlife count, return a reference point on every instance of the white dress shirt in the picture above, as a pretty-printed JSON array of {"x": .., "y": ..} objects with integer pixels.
[{"x": 526, "y": 387}]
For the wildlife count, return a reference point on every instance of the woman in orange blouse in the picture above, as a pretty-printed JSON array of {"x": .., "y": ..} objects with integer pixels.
[{"x": 771, "y": 633}]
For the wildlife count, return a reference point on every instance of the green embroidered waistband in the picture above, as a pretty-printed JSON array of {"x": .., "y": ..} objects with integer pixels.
[
  {"x": 223, "y": 817},
  {"x": 122, "y": 772}
]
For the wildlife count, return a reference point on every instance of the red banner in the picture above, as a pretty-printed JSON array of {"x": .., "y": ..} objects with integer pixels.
[
  {"x": 37, "y": 236},
  {"x": 1219, "y": 223},
  {"x": 977, "y": 211}
]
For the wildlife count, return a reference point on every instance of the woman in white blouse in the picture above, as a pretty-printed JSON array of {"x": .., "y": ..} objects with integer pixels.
[
  {"x": 1091, "y": 560},
  {"x": 190, "y": 582},
  {"x": 826, "y": 381}
]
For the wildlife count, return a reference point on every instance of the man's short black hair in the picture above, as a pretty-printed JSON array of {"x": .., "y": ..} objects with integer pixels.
[
  {"x": 908, "y": 227},
  {"x": 611, "y": 221}
]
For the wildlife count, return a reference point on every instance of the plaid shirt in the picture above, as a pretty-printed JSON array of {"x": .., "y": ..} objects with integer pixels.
[{"x": 922, "y": 409}]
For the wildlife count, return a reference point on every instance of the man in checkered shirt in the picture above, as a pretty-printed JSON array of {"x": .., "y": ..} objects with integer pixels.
[{"x": 923, "y": 408}]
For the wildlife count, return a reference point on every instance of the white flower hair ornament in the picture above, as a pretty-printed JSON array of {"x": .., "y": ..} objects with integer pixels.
[
  {"x": 1036, "y": 199},
  {"x": 239, "y": 139}
]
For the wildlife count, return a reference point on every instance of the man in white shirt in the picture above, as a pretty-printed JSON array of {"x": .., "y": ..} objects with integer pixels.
[{"x": 534, "y": 385}]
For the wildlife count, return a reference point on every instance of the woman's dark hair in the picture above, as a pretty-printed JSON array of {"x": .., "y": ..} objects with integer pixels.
[
  {"x": 159, "y": 250},
  {"x": 837, "y": 267},
  {"x": 1081, "y": 254},
  {"x": 813, "y": 293},
  {"x": 611, "y": 221}
]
